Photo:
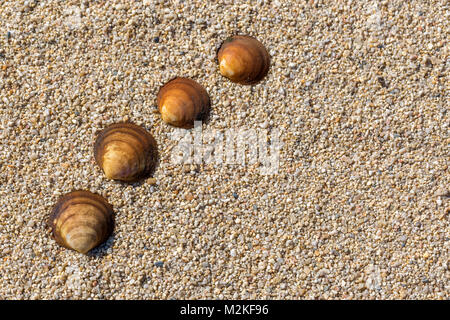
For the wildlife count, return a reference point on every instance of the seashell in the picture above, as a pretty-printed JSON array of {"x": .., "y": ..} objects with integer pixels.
[
  {"x": 243, "y": 59},
  {"x": 181, "y": 101},
  {"x": 125, "y": 151},
  {"x": 81, "y": 220}
]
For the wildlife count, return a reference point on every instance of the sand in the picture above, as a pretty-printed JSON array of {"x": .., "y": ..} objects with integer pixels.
[{"x": 359, "y": 207}]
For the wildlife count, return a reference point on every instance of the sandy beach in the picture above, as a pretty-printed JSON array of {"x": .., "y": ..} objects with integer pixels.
[{"x": 357, "y": 208}]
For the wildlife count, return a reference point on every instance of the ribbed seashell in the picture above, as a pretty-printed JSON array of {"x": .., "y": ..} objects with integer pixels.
[
  {"x": 81, "y": 220},
  {"x": 181, "y": 101},
  {"x": 243, "y": 59},
  {"x": 125, "y": 151}
]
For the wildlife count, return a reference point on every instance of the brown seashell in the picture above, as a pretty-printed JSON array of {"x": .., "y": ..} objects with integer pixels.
[
  {"x": 81, "y": 220},
  {"x": 125, "y": 151},
  {"x": 181, "y": 101},
  {"x": 243, "y": 59}
]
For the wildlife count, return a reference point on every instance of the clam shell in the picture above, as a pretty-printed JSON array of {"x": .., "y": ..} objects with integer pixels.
[
  {"x": 243, "y": 59},
  {"x": 126, "y": 152},
  {"x": 181, "y": 101},
  {"x": 81, "y": 220}
]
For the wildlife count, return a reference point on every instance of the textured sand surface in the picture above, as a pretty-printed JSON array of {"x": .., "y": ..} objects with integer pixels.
[{"x": 358, "y": 209}]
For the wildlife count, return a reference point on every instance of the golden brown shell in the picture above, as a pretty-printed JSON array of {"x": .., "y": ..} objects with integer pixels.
[
  {"x": 181, "y": 101},
  {"x": 81, "y": 220},
  {"x": 125, "y": 151},
  {"x": 243, "y": 59}
]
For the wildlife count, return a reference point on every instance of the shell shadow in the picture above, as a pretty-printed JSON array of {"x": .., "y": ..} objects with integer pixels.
[
  {"x": 102, "y": 250},
  {"x": 206, "y": 116}
]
